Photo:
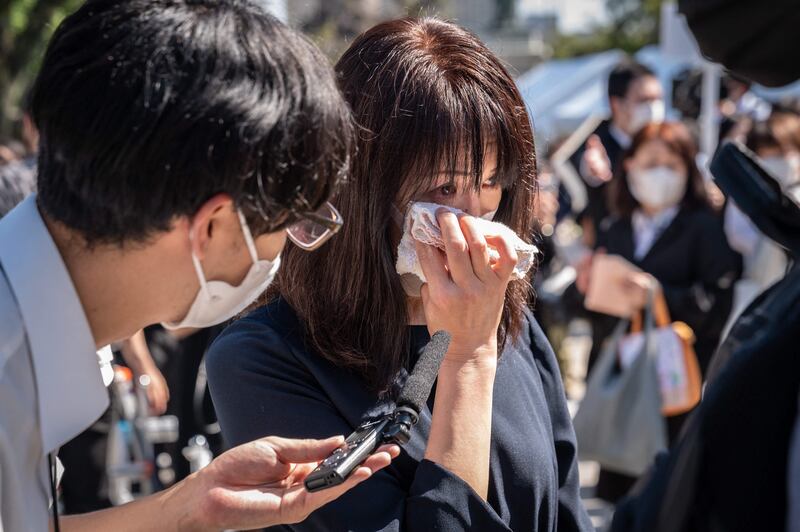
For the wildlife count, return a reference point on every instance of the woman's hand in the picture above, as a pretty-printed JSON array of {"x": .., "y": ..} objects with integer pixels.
[
  {"x": 583, "y": 271},
  {"x": 637, "y": 287},
  {"x": 464, "y": 296},
  {"x": 465, "y": 291}
]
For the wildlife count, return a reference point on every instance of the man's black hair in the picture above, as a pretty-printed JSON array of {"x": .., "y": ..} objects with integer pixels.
[
  {"x": 147, "y": 108},
  {"x": 623, "y": 75}
]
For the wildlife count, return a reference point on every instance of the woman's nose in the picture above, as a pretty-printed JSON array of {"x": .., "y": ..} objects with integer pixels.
[{"x": 470, "y": 203}]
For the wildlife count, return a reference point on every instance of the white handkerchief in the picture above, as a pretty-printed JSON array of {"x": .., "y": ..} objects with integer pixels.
[{"x": 421, "y": 224}]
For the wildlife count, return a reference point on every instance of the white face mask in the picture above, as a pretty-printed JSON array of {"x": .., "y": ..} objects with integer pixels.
[
  {"x": 218, "y": 301},
  {"x": 658, "y": 188},
  {"x": 645, "y": 113},
  {"x": 785, "y": 170}
]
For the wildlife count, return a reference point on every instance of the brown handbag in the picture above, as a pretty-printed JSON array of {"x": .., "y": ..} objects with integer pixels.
[{"x": 679, "y": 376}]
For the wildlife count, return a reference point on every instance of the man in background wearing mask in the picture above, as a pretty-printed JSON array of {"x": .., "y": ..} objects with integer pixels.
[
  {"x": 635, "y": 98},
  {"x": 181, "y": 143}
]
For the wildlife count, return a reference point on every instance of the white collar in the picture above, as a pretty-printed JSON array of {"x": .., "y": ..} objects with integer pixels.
[
  {"x": 622, "y": 138},
  {"x": 658, "y": 221},
  {"x": 70, "y": 390}
]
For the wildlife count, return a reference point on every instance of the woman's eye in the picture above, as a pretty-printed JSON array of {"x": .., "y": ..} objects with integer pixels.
[
  {"x": 446, "y": 190},
  {"x": 490, "y": 183}
]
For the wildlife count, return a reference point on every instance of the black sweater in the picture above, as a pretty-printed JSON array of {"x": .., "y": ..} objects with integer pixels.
[{"x": 264, "y": 381}]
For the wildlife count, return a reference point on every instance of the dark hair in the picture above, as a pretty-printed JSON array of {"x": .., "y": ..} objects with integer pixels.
[
  {"x": 147, "y": 108},
  {"x": 781, "y": 130},
  {"x": 679, "y": 140},
  {"x": 427, "y": 95},
  {"x": 623, "y": 75}
]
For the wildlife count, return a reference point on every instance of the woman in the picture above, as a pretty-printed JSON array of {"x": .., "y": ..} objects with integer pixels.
[
  {"x": 441, "y": 121},
  {"x": 665, "y": 226}
]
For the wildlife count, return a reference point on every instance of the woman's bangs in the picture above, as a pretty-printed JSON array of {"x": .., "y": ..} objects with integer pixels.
[{"x": 451, "y": 142}]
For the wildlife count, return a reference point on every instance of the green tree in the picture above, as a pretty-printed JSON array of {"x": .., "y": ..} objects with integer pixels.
[
  {"x": 25, "y": 27},
  {"x": 632, "y": 24},
  {"x": 334, "y": 23}
]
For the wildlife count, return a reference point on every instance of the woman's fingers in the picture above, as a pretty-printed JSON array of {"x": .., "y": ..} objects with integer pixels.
[
  {"x": 433, "y": 264},
  {"x": 504, "y": 266},
  {"x": 458, "y": 259},
  {"x": 478, "y": 249}
]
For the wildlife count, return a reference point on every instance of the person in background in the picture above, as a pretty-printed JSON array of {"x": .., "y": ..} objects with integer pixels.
[
  {"x": 663, "y": 225},
  {"x": 83, "y": 484},
  {"x": 738, "y": 100},
  {"x": 18, "y": 176},
  {"x": 17, "y": 181},
  {"x": 181, "y": 355},
  {"x": 635, "y": 98},
  {"x": 776, "y": 142},
  {"x": 494, "y": 450}
]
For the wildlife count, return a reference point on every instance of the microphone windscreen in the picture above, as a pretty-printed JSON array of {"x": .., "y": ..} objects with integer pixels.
[{"x": 418, "y": 386}]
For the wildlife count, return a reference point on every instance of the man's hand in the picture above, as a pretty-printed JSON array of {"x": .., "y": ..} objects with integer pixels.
[
  {"x": 260, "y": 484},
  {"x": 596, "y": 161}
]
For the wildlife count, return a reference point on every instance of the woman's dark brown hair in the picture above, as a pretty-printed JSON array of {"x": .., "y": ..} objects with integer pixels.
[
  {"x": 679, "y": 141},
  {"x": 780, "y": 131},
  {"x": 427, "y": 97}
]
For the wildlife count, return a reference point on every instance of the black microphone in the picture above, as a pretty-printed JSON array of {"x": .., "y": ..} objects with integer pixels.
[
  {"x": 419, "y": 384},
  {"x": 392, "y": 428}
]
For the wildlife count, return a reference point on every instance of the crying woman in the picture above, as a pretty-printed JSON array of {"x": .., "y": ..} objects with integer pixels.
[{"x": 441, "y": 122}]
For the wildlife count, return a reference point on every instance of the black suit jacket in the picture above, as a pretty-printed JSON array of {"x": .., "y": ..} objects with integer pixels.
[{"x": 695, "y": 266}]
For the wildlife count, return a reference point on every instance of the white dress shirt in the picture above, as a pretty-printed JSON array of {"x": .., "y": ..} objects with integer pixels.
[
  {"x": 51, "y": 388},
  {"x": 647, "y": 229},
  {"x": 622, "y": 138}
]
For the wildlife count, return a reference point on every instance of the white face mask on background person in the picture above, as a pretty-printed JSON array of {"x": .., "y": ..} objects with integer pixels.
[
  {"x": 658, "y": 188},
  {"x": 219, "y": 301},
  {"x": 785, "y": 170},
  {"x": 645, "y": 113}
]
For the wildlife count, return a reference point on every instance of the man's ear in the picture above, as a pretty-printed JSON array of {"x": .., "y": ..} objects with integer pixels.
[
  {"x": 204, "y": 220},
  {"x": 614, "y": 104}
]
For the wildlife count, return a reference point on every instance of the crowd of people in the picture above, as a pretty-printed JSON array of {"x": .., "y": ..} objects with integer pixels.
[{"x": 273, "y": 146}]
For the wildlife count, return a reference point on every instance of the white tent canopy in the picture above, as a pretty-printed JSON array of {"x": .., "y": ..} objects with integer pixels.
[{"x": 562, "y": 93}]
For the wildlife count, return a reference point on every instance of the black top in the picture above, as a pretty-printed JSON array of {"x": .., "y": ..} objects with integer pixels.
[
  {"x": 264, "y": 381},
  {"x": 695, "y": 266}
]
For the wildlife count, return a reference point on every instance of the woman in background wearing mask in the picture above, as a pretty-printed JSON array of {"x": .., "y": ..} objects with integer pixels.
[
  {"x": 665, "y": 226},
  {"x": 442, "y": 122},
  {"x": 776, "y": 142}
]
